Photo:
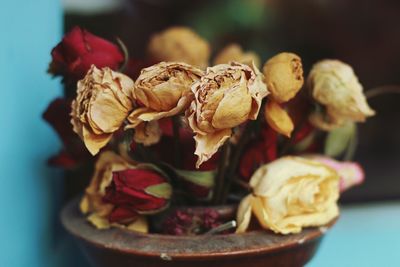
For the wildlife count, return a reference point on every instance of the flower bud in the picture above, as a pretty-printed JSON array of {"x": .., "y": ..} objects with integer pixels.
[
  {"x": 283, "y": 76},
  {"x": 334, "y": 85}
]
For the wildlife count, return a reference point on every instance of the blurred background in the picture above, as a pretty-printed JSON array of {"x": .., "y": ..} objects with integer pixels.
[{"x": 363, "y": 33}]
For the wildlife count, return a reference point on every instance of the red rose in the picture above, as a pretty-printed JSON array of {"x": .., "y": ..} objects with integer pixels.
[
  {"x": 74, "y": 151},
  {"x": 78, "y": 50},
  {"x": 137, "y": 191},
  {"x": 259, "y": 152}
]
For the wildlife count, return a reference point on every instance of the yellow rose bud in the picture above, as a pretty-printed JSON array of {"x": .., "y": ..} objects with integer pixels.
[
  {"x": 278, "y": 118},
  {"x": 179, "y": 44},
  {"x": 291, "y": 193},
  {"x": 226, "y": 96},
  {"x": 163, "y": 90},
  {"x": 283, "y": 76},
  {"x": 234, "y": 52},
  {"x": 334, "y": 85},
  {"x": 101, "y": 106}
]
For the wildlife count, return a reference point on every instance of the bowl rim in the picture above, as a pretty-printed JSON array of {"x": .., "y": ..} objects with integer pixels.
[{"x": 129, "y": 242}]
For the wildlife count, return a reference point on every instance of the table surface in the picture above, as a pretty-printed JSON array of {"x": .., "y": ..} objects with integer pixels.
[{"x": 365, "y": 235}]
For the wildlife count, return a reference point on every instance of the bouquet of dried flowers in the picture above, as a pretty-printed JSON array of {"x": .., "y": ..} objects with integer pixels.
[{"x": 172, "y": 131}]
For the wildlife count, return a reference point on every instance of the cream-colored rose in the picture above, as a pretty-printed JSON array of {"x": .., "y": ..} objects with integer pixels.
[
  {"x": 226, "y": 96},
  {"x": 291, "y": 193},
  {"x": 179, "y": 44},
  {"x": 101, "y": 106},
  {"x": 283, "y": 76},
  {"x": 334, "y": 85},
  {"x": 234, "y": 52}
]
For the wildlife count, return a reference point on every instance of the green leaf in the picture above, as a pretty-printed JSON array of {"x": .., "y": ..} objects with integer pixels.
[
  {"x": 163, "y": 190},
  {"x": 338, "y": 139},
  {"x": 202, "y": 178}
]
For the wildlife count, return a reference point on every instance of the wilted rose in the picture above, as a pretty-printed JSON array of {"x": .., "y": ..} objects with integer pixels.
[
  {"x": 234, "y": 52},
  {"x": 179, "y": 44},
  {"x": 283, "y": 76},
  {"x": 73, "y": 152},
  {"x": 121, "y": 190},
  {"x": 92, "y": 203},
  {"x": 138, "y": 190},
  {"x": 334, "y": 85},
  {"x": 102, "y": 104},
  {"x": 291, "y": 193},
  {"x": 226, "y": 96},
  {"x": 163, "y": 90},
  {"x": 79, "y": 50}
]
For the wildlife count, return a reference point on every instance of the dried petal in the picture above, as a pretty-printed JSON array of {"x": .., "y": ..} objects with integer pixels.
[
  {"x": 147, "y": 133},
  {"x": 278, "y": 118}
]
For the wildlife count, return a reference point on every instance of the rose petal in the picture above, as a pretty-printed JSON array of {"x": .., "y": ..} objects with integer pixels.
[
  {"x": 207, "y": 145},
  {"x": 278, "y": 118}
]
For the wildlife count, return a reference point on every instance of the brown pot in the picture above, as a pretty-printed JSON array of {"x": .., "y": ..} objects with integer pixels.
[{"x": 118, "y": 247}]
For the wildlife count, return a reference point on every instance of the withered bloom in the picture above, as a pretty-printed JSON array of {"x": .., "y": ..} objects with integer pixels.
[
  {"x": 226, "y": 96},
  {"x": 162, "y": 90},
  {"x": 291, "y": 193},
  {"x": 284, "y": 78},
  {"x": 179, "y": 44},
  {"x": 334, "y": 85},
  {"x": 102, "y": 104},
  {"x": 234, "y": 52}
]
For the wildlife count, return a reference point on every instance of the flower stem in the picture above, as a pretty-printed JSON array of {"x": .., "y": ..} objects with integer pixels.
[
  {"x": 234, "y": 162},
  {"x": 220, "y": 177},
  {"x": 177, "y": 154},
  {"x": 387, "y": 89}
]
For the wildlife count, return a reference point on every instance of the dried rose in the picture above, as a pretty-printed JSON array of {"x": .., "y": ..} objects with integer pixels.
[
  {"x": 102, "y": 104},
  {"x": 73, "y": 152},
  {"x": 350, "y": 173},
  {"x": 79, "y": 50},
  {"x": 121, "y": 190},
  {"x": 163, "y": 90},
  {"x": 140, "y": 190},
  {"x": 283, "y": 76},
  {"x": 234, "y": 52},
  {"x": 92, "y": 203},
  {"x": 334, "y": 85},
  {"x": 179, "y": 44},
  {"x": 226, "y": 96},
  {"x": 291, "y": 193}
]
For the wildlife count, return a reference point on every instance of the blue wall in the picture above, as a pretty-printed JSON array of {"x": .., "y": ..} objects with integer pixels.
[{"x": 30, "y": 192}]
